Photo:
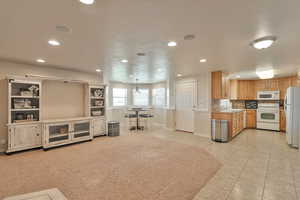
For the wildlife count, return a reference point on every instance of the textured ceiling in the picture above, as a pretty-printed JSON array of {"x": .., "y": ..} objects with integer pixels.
[{"x": 111, "y": 30}]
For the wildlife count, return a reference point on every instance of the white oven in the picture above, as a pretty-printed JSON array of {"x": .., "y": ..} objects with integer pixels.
[
  {"x": 268, "y": 116},
  {"x": 268, "y": 95}
]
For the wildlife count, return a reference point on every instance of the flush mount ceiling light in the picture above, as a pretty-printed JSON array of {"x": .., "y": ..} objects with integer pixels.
[
  {"x": 267, "y": 74},
  {"x": 98, "y": 70},
  {"x": 238, "y": 76},
  {"x": 172, "y": 44},
  {"x": 124, "y": 61},
  {"x": 40, "y": 60},
  {"x": 179, "y": 75},
  {"x": 203, "y": 60},
  {"x": 54, "y": 43},
  {"x": 264, "y": 42},
  {"x": 87, "y": 2}
]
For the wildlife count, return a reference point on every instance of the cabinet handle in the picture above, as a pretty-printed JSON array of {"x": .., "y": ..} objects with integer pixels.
[{"x": 38, "y": 134}]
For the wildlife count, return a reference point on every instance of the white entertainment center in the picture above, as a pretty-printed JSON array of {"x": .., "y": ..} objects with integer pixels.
[{"x": 27, "y": 129}]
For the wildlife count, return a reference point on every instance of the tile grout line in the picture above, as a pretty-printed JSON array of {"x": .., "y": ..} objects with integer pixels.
[
  {"x": 267, "y": 170},
  {"x": 294, "y": 180},
  {"x": 265, "y": 180},
  {"x": 237, "y": 179}
]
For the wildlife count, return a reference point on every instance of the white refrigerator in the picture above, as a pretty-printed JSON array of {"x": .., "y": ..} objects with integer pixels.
[{"x": 292, "y": 111}]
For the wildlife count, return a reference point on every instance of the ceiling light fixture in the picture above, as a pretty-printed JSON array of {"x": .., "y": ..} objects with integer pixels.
[
  {"x": 172, "y": 44},
  {"x": 264, "y": 42},
  {"x": 203, "y": 60},
  {"x": 179, "y": 75},
  {"x": 40, "y": 60},
  {"x": 124, "y": 61},
  {"x": 265, "y": 74},
  {"x": 54, "y": 43},
  {"x": 238, "y": 76},
  {"x": 98, "y": 70},
  {"x": 87, "y": 2}
]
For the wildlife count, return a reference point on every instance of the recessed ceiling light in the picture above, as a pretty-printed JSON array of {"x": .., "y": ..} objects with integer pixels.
[
  {"x": 124, "y": 61},
  {"x": 98, "y": 70},
  {"x": 267, "y": 74},
  {"x": 54, "y": 42},
  {"x": 179, "y": 75},
  {"x": 88, "y": 2},
  {"x": 189, "y": 37},
  {"x": 141, "y": 54},
  {"x": 40, "y": 60},
  {"x": 203, "y": 60},
  {"x": 264, "y": 42},
  {"x": 172, "y": 44}
]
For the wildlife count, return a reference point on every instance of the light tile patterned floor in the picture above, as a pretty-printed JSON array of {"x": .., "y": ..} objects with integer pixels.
[{"x": 256, "y": 165}]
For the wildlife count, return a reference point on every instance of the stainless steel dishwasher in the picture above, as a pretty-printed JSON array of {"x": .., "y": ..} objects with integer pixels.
[{"x": 219, "y": 130}]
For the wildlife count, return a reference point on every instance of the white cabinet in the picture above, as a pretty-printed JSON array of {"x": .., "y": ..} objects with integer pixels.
[
  {"x": 66, "y": 131},
  {"x": 23, "y": 137},
  {"x": 99, "y": 126}
]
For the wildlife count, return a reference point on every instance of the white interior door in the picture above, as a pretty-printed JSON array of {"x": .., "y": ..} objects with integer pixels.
[{"x": 185, "y": 103}]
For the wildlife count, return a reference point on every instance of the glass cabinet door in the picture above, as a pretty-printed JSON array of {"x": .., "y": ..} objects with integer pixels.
[
  {"x": 58, "y": 133},
  {"x": 81, "y": 129}
]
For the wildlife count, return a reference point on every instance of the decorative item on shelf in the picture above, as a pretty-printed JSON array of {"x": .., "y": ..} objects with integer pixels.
[
  {"x": 18, "y": 103},
  {"x": 27, "y": 103},
  {"x": 25, "y": 92},
  {"x": 97, "y": 93},
  {"x": 98, "y": 103},
  {"x": 63, "y": 130},
  {"x": 97, "y": 113},
  {"x": 34, "y": 90}
]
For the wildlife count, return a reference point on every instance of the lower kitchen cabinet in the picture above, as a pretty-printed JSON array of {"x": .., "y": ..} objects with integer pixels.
[
  {"x": 282, "y": 121},
  {"x": 235, "y": 121},
  {"x": 250, "y": 118},
  {"x": 22, "y": 137}
]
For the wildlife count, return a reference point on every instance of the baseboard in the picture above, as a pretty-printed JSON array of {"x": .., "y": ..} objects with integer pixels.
[
  {"x": 2, "y": 150},
  {"x": 158, "y": 124},
  {"x": 202, "y": 135},
  {"x": 169, "y": 129}
]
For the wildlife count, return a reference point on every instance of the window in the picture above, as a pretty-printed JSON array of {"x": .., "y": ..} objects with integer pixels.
[
  {"x": 141, "y": 98},
  {"x": 159, "y": 97},
  {"x": 119, "y": 96}
]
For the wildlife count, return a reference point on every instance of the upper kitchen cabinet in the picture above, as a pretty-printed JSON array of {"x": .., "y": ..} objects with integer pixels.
[
  {"x": 281, "y": 84},
  {"x": 220, "y": 85},
  {"x": 242, "y": 90}
]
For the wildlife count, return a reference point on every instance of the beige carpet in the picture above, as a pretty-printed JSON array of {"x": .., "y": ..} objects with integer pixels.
[{"x": 122, "y": 168}]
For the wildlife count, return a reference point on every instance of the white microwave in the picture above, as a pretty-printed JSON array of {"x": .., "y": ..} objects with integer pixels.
[{"x": 268, "y": 95}]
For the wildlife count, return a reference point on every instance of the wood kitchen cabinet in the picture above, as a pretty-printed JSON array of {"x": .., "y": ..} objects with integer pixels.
[
  {"x": 282, "y": 121},
  {"x": 220, "y": 85},
  {"x": 242, "y": 90},
  {"x": 235, "y": 121},
  {"x": 250, "y": 118}
]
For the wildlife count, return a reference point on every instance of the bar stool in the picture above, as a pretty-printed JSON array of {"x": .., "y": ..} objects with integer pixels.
[{"x": 131, "y": 120}]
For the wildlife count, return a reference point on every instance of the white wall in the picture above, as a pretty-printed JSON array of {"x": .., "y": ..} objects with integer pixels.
[
  {"x": 118, "y": 113},
  {"x": 202, "y": 113},
  {"x": 16, "y": 69}
]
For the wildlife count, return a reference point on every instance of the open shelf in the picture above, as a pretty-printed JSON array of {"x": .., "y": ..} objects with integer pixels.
[
  {"x": 25, "y": 109},
  {"x": 25, "y": 97}
]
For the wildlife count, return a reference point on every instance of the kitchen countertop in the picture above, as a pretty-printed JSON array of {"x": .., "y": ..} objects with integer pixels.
[{"x": 229, "y": 111}]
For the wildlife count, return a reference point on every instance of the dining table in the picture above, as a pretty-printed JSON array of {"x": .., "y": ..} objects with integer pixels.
[{"x": 137, "y": 111}]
